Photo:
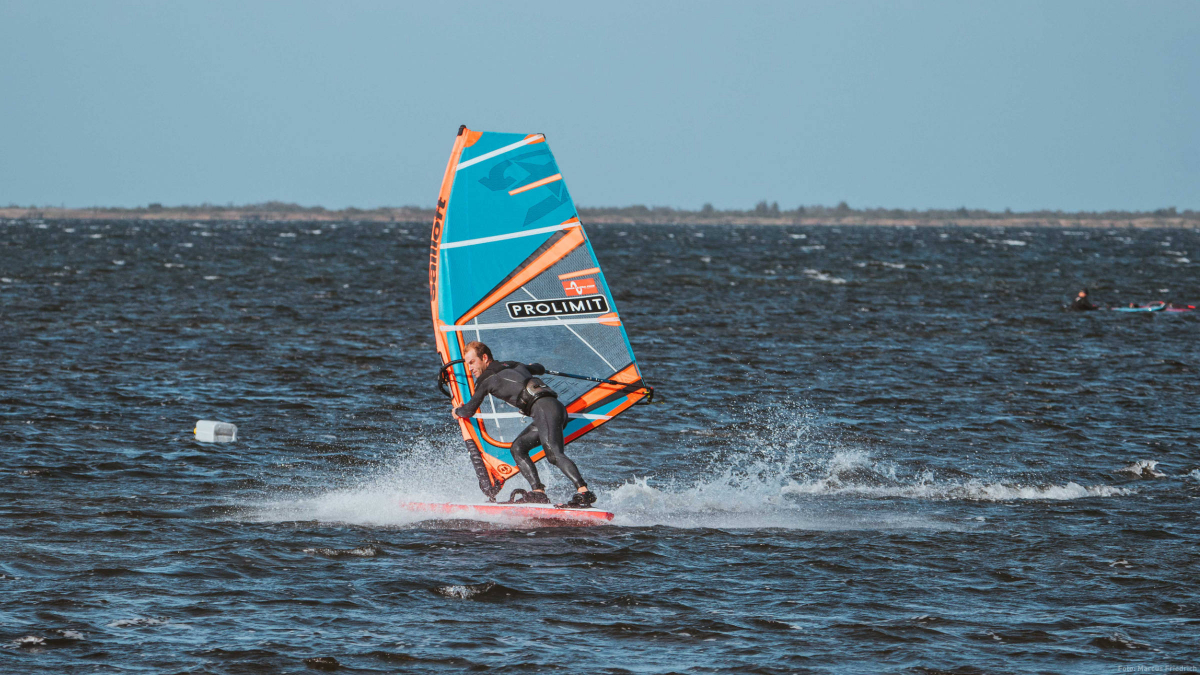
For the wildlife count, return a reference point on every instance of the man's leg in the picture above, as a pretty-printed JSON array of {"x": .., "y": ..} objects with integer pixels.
[
  {"x": 525, "y": 442},
  {"x": 549, "y": 418}
]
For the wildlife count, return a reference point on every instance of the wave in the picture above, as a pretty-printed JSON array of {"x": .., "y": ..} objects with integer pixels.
[
  {"x": 1143, "y": 468},
  {"x": 789, "y": 472},
  {"x": 792, "y": 472},
  {"x": 818, "y": 275},
  {"x": 854, "y": 473},
  {"x": 139, "y": 622},
  {"x": 369, "y": 551},
  {"x": 488, "y": 590},
  {"x": 741, "y": 501}
]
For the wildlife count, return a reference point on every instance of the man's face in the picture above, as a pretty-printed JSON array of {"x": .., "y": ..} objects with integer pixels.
[{"x": 476, "y": 363}]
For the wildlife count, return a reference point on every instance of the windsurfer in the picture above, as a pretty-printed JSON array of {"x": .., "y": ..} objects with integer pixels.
[
  {"x": 515, "y": 383},
  {"x": 1081, "y": 302}
]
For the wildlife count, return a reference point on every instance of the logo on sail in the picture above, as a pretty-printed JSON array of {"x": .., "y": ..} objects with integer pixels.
[
  {"x": 579, "y": 286},
  {"x": 589, "y": 304}
]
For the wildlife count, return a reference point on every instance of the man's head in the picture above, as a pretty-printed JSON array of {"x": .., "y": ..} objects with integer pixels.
[
  {"x": 1082, "y": 293},
  {"x": 477, "y": 356}
]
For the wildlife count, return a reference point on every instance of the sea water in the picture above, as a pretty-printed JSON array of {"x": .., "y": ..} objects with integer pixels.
[{"x": 877, "y": 450}]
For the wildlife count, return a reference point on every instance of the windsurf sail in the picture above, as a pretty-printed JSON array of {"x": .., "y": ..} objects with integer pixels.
[{"x": 510, "y": 265}]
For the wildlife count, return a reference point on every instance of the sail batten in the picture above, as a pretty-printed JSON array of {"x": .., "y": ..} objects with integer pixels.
[
  {"x": 511, "y": 266},
  {"x": 502, "y": 237},
  {"x": 458, "y": 328}
]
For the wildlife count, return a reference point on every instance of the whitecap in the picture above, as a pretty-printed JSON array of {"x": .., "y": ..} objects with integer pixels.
[
  {"x": 792, "y": 476},
  {"x": 466, "y": 591},
  {"x": 818, "y": 275},
  {"x": 854, "y": 474},
  {"x": 138, "y": 621},
  {"x": 1143, "y": 468},
  {"x": 1118, "y": 641},
  {"x": 369, "y": 551}
]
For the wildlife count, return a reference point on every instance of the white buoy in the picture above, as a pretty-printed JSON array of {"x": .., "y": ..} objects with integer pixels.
[{"x": 208, "y": 431}]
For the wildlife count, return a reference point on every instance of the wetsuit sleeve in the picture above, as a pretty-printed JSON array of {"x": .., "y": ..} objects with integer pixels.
[
  {"x": 536, "y": 369},
  {"x": 471, "y": 406}
]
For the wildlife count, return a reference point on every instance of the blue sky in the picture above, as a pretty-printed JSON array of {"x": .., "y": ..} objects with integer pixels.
[{"x": 1028, "y": 105}]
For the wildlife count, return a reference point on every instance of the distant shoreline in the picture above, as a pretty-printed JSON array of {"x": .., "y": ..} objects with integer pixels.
[{"x": 637, "y": 215}]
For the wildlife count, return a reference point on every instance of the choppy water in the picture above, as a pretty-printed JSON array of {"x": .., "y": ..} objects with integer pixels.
[{"x": 880, "y": 450}]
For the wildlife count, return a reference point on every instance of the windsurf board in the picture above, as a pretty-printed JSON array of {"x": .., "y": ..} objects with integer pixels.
[{"x": 539, "y": 512}]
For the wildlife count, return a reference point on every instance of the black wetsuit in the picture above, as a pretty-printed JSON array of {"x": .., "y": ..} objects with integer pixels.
[
  {"x": 1081, "y": 304},
  {"x": 506, "y": 380}
]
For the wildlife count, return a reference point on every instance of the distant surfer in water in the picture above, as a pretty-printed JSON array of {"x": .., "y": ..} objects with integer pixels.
[
  {"x": 514, "y": 383},
  {"x": 1081, "y": 302}
]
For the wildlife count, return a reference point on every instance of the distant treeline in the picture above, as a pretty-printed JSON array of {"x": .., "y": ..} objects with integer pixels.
[
  {"x": 843, "y": 210},
  {"x": 764, "y": 212}
]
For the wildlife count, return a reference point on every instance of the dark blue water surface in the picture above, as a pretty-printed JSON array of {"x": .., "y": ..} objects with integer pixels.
[{"x": 881, "y": 450}]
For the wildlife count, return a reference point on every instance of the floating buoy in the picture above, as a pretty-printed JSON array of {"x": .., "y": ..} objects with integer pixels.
[{"x": 208, "y": 431}]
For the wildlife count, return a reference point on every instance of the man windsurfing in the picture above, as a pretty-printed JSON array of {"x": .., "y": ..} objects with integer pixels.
[
  {"x": 1081, "y": 303},
  {"x": 514, "y": 383}
]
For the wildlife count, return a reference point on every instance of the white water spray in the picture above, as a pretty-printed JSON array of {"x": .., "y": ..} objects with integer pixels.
[{"x": 788, "y": 471}]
